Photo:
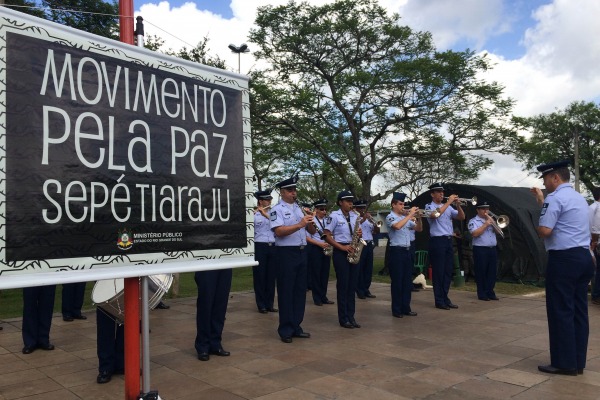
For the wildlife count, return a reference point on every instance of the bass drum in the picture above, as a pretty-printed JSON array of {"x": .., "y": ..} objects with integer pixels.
[{"x": 109, "y": 294}]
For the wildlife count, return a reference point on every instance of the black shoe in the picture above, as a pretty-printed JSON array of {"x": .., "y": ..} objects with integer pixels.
[
  {"x": 450, "y": 305},
  {"x": 272, "y": 309},
  {"x": 303, "y": 335},
  {"x": 580, "y": 371},
  {"x": 286, "y": 339},
  {"x": 397, "y": 315},
  {"x": 162, "y": 306},
  {"x": 371, "y": 296},
  {"x": 319, "y": 304},
  {"x": 483, "y": 299},
  {"x": 263, "y": 310},
  {"x": 104, "y": 377},
  {"x": 442, "y": 307},
  {"x": 411, "y": 314},
  {"x": 79, "y": 317},
  {"x": 67, "y": 318},
  {"x": 360, "y": 296},
  {"x": 494, "y": 298},
  {"x": 220, "y": 352},
  {"x": 203, "y": 356},
  {"x": 549, "y": 369},
  {"x": 46, "y": 346},
  {"x": 347, "y": 325},
  {"x": 28, "y": 350},
  {"x": 328, "y": 302},
  {"x": 355, "y": 324}
]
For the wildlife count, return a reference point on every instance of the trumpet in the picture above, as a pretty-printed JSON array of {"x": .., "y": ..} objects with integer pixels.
[
  {"x": 378, "y": 224},
  {"x": 500, "y": 222},
  {"x": 428, "y": 213},
  {"x": 464, "y": 201}
]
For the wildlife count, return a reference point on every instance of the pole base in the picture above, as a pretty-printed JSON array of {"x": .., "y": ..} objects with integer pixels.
[{"x": 152, "y": 395}]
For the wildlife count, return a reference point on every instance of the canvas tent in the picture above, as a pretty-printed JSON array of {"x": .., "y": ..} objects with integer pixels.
[{"x": 522, "y": 256}]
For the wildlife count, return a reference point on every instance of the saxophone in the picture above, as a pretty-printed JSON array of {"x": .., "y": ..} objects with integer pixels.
[
  {"x": 357, "y": 243},
  {"x": 327, "y": 251}
]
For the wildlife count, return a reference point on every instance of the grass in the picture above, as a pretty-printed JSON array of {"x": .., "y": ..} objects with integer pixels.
[{"x": 11, "y": 301}]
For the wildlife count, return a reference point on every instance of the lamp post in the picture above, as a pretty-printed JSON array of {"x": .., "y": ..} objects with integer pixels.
[{"x": 243, "y": 48}]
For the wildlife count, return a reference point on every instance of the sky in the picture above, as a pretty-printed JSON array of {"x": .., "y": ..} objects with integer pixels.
[{"x": 546, "y": 52}]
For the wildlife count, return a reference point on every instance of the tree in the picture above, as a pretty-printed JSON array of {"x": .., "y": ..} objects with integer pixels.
[
  {"x": 367, "y": 93},
  {"x": 25, "y": 6},
  {"x": 93, "y": 16},
  {"x": 552, "y": 138},
  {"x": 199, "y": 54}
]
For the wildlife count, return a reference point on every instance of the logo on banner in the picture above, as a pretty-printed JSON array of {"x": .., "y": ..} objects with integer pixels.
[{"x": 125, "y": 239}]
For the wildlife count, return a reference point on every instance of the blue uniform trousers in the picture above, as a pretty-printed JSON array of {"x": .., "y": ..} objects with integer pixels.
[
  {"x": 401, "y": 275},
  {"x": 413, "y": 253},
  {"x": 264, "y": 275},
  {"x": 38, "y": 306},
  {"x": 211, "y": 307},
  {"x": 72, "y": 299},
  {"x": 347, "y": 276},
  {"x": 596, "y": 292},
  {"x": 318, "y": 265},
  {"x": 365, "y": 270},
  {"x": 567, "y": 276},
  {"x": 110, "y": 343},
  {"x": 441, "y": 256},
  {"x": 291, "y": 289},
  {"x": 486, "y": 269}
]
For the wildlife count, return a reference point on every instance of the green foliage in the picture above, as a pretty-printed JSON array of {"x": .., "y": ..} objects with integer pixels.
[
  {"x": 367, "y": 96},
  {"x": 93, "y": 16},
  {"x": 552, "y": 138},
  {"x": 198, "y": 54},
  {"x": 25, "y": 6}
]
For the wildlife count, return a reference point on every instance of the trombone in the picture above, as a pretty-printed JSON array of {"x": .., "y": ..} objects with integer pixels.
[
  {"x": 464, "y": 201},
  {"x": 500, "y": 222}
]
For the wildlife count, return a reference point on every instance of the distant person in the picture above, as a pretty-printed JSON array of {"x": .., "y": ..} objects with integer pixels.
[
  {"x": 564, "y": 226},
  {"x": 38, "y": 306},
  {"x": 485, "y": 254},
  {"x": 110, "y": 346},
  {"x": 365, "y": 268},
  {"x": 594, "y": 210},
  {"x": 72, "y": 301},
  {"x": 265, "y": 273},
  {"x": 319, "y": 256},
  {"x": 441, "y": 253}
]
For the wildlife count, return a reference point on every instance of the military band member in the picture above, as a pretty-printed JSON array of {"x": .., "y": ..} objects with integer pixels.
[
  {"x": 319, "y": 263},
  {"x": 399, "y": 224},
  {"x": 485, "y": 255},
  {"x": 339, "y": 229},
  {"x": 565, "y": 228},
  {"x": 264, "y": 274},
  {"x": 594, "y": 213},
  {"x": 38, "y": 306},
  {"x": 413, "y": 233},
  {"x": 365, "y": 268},
  {"x": 441, "y": 253},
  {"x": 290, "y": 225},
  {"x": 72, "y": 301}
]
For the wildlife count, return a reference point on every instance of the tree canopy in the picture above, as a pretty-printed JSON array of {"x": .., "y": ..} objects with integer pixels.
[
  {"x": 370, "y": 97},
  {"x": 552, "y": 138}
]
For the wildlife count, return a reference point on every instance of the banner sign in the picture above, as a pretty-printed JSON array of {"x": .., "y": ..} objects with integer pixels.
[{"x": 116, "y": 154}]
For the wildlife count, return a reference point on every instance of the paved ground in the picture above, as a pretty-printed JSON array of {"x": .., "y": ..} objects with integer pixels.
[{"x": 483, "y": 350}]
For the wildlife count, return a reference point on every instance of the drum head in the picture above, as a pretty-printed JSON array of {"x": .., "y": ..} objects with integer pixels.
[{"x": 107, "y": 289}]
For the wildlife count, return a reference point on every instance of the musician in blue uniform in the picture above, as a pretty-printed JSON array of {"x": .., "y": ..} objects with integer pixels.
[
  {"x": 365, "y": 267},
  {"x": 565, "y": 228},
  {"x": 319, "y": 263},
  {"x": 290, "y": 225},
  {"x": 211, "y": 307},
  {"x": 441, "y": 253},
  {"x": 485, "y": 255},
  {"x": 399, "y": 224},
  {"x": 72, "y": 301},
  {"x": 340, "y": 227},
  {"x": 38, "y": 306},
  {"x": 265, "y": 273},
  {"x": 594, "y": 213},
  {"x": 110, "y": 346},
  {"x": 413, "y": 233}
]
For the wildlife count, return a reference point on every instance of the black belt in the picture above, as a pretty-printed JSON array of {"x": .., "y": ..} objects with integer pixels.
[
  {"x": 293, "y": 247},
  {"x": 345, "y": 244},
  {"x": 402, "y": 247},
  {"x": 267, "y": 243},
  {"x": 486, "y": 247},
  {"x": 442, "y": 237}
]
